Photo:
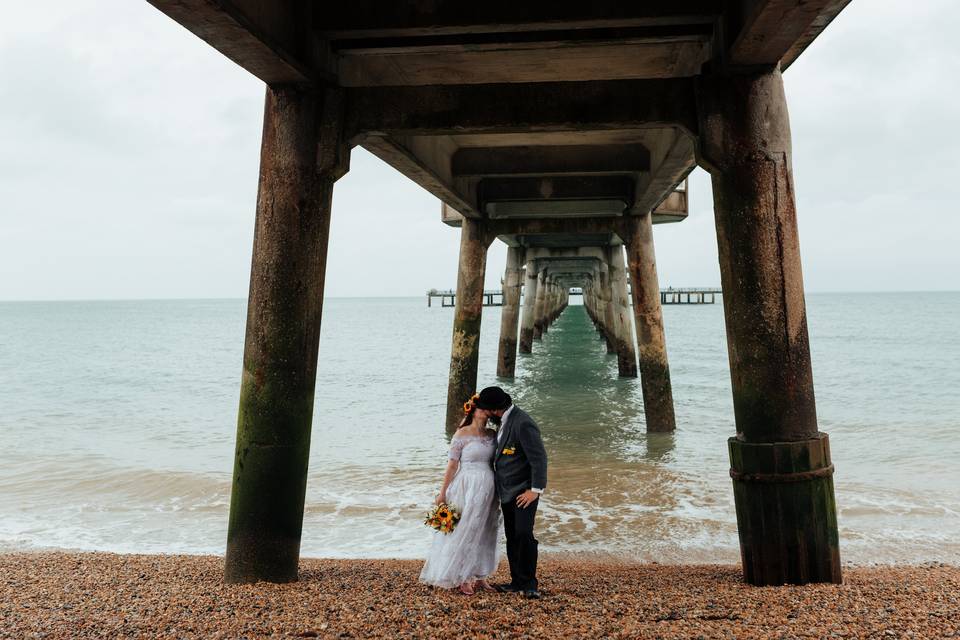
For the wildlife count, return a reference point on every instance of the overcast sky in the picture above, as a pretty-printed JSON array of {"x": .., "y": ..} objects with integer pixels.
[{"x": 129, "y": 152}]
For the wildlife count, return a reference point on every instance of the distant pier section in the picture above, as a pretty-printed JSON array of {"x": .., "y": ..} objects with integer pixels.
[
  {"x": 448, "y": 298},
  {"x": 494, "y": 297},
  {"x": 688, "y": 296}
]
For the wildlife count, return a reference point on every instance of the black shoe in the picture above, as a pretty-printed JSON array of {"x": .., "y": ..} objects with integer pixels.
[
  {"x": 507, "y": 588},
  {"x": 532, "y": 594}
]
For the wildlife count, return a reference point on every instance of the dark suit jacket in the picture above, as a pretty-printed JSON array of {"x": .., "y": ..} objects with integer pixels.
[{"x": 520, "y": 461}]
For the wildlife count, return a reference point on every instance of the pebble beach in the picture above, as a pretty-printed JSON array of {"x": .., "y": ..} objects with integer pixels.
[{"x": 101, "y": 595}]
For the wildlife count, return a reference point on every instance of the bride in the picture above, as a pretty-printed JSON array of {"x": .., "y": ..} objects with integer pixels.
[{"x": 466, "y": 556}]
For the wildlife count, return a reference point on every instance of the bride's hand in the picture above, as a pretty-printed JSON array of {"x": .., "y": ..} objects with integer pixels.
[{"x": 440, "y": 498}]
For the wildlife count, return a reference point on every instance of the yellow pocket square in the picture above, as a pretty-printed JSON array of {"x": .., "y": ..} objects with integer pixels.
[{"x": 509, "y": 451}]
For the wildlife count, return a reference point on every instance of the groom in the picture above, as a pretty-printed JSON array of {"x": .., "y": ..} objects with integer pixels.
[{"x": 520, "y": 471}]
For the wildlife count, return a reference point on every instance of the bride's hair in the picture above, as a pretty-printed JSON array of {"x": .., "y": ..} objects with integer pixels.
[{"x": 467, "y": 419}]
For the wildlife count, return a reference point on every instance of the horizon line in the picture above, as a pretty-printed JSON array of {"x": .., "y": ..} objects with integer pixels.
[{"x": 422, "y": 295}]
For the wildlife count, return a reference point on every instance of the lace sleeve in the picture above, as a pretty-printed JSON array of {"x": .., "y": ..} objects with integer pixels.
[{"x": 456, "y": 449}]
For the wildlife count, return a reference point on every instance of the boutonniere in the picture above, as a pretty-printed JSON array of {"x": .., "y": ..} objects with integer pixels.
[{"x": 509, "y": 451}]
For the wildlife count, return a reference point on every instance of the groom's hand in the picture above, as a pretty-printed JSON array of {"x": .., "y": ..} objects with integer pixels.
[{"x": 527, "y": 498}]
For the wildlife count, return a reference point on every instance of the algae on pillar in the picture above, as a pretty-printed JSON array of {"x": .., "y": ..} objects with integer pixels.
[
  {"x": 510, "y": 313},
  {"x": 622, "y": 315},
  {"x": 529, "y": 302},
  {"x": 301, "y": 156},
  {"x": 654, "y": 367},
  {"x": 467, "y": 314},
  {"x": 780, "y": 462}
]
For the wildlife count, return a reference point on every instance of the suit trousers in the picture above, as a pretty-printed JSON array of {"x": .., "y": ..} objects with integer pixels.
[{"x": 521, "y": 545}]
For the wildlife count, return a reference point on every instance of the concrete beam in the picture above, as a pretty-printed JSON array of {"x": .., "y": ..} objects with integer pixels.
[
  {"x": 536, "y": 226},
  {"x": 550, "y": 160},
  {"x": 779, "y": 30},
  {"x": 671, "y": 165},
  {"x": 425, "y": 163},
  {"x": 555, "y": 266},
  {"x": 566, "y": 253},
  {"x": 268, "y": 39},
  {"x": 556, "y": 188},
  {"x": 360, "y": 19},
  {"x": 529, "y": 107}
]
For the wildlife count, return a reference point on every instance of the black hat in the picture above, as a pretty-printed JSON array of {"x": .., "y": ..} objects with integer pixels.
[{"x": 494, "y": 399}]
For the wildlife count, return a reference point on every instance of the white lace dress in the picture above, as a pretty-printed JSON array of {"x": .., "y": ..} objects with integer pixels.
[{"x": 470, "y": 551}]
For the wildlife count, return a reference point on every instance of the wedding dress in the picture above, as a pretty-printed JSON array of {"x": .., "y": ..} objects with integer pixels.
[{"x": 470, "y": 551}]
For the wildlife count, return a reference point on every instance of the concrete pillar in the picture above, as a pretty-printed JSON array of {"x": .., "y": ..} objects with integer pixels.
[
  {"x": 622, "y": 315},
  {"x": 465, "y": 349},
  {"x": 780, "y": 462},
  {"x": 548, "y": 304},
  {"x": 530, "y": 278},
  {"x": 542, "y": 289},
  {"x": 596, "y": 302},
  {"x": 551, "y": 304},
  {"x": 654, "y": 368},
  {"x": 301, "y": 156},
  {"x": 588, "y": 299},
  {"x": 607, "y": 308},
  {"x": 510, "y": 313},
  {"x": 554, "y": 302}
]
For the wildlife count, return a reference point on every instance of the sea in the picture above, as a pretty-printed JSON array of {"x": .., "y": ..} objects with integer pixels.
[{"x": 118, "y": 419}]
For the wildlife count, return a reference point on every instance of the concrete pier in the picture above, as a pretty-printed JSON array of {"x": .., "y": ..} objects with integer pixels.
[
  {"x": 465, "y": 349},
  {"x": 652, "y": 348},
  {"x": 565, "y": 131},
  {"x": 282, "y": 337},
  {"x": 780, "y": 462},
  {"x": 510, "y": 313}
]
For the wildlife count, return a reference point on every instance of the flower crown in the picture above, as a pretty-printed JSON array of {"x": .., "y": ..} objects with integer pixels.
[{"x": 471, "y": 404}]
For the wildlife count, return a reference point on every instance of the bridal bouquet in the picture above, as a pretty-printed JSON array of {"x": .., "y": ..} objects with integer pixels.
[{"x": 443, "y": 518}]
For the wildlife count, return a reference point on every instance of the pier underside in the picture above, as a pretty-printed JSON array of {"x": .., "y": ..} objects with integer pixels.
[{"x": 563, "y": 129}]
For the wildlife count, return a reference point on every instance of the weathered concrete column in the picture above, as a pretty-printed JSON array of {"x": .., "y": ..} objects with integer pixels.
[
  {"x": 597, "y": 301},
  {"x": 542, "y": 290},
  {"x": 510, "y": 313},
  {"x": 530, "y": 278},
  {"x": 551, "y": 304},
  {"x": 588, "y": 300},
  {"x": 780, "y": 462},
  {"x": 654, "y": 368},
  {"x": 547, "y": 305},
  {"x": 607, "y": 308},
  {"x": 467, "y": 314},
  {"x": 554, "y": 302},
  {"x": 623, "y": 316},
  {"x": 301, "y": 156}
]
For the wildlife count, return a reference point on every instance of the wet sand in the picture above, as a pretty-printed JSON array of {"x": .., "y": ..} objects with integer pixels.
[{"x": 98, "y": 595}]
